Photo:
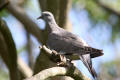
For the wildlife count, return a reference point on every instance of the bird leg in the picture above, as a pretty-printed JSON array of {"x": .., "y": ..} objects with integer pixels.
[{"x": 56, "y": 57}]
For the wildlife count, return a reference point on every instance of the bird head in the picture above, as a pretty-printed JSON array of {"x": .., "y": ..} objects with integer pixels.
[{"x": 47, "y": 16}]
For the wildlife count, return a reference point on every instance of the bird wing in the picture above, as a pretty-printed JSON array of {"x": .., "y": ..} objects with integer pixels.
[{"x": 66, "y": 42}]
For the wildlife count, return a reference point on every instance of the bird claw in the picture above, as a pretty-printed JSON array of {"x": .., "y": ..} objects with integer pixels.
[{"x": 64, "y": 61}]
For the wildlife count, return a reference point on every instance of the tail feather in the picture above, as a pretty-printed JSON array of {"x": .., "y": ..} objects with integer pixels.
[
  {"x": 88, "y": 63},
  {"x": 93, "y": 52}
]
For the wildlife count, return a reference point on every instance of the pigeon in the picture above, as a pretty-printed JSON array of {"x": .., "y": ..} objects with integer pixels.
[{"x": 64, "y": 41}]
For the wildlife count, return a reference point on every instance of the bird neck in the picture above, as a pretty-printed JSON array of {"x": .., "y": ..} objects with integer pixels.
[{"x": 52, "y": 26}]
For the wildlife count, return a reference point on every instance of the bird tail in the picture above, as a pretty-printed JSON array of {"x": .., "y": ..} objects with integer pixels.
[
  {"x": 92, "y": 50},
  {"x": 88, "y": 63}
]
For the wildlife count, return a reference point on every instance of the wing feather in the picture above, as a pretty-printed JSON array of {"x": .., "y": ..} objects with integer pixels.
[{"x": 67, "y": 43}]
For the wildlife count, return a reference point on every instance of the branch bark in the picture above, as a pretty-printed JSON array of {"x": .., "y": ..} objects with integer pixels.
[
  {"x": 61, "y": 78},
  {"x": 54, "y": 71},
  {"x": 49, "y": 73},
  {"x": 42, "y": 62}
]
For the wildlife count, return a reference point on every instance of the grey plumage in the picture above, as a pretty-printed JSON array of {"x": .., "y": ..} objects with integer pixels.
[{"x": 67, "y": 42}]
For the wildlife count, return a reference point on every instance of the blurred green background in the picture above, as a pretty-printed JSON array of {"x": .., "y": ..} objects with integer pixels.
[{"x": 96, "y": 21}]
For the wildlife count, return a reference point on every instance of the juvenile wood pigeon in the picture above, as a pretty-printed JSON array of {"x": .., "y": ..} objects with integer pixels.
[{"x": 61, "y": 40}]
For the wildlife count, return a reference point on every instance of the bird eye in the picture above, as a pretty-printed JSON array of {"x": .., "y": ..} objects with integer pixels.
[{"x": 46, "y": 14}]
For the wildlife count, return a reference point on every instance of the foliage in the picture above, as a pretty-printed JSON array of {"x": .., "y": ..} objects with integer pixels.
[
  {"x": 3, "y": 75},
  {"x": 110, "y": 70},
  {"x": 98, "y": 13},
  {"x": 3, "y": 13}
]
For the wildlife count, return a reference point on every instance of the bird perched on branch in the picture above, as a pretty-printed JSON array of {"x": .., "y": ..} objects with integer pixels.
[{"x": 61, "y": 40}]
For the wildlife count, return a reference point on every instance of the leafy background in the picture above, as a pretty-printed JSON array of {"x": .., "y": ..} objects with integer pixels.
[{"x": 96, "y": 21}]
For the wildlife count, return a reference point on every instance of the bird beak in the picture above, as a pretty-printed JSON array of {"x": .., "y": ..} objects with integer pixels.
[{"x": 39, "y": 17}]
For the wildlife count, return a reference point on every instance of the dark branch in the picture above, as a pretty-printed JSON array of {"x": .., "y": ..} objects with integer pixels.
[
  {"x": 8, "y": 50},
  {"x": 3, "y": 4}
]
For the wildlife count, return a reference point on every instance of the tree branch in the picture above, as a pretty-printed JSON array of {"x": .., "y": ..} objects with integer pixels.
[
  {"x": 49, "y": 73},
  {"x": 54, "y": 71},
  {"x": 3, "y": 4},
  {"x": 42, "y": 5},
  {"x": 53, "y": 6},
  {"x": 8, "y": 51},
  {"x": 24, "y": 68},
  {"x": 29, "y": 50},
  {"x": 64, "y": 9},
  {"x": 61, "y": 78},
  {"x": 29, "y": 25},
  {"x": 69, "y": 70},
  {"x": 42, "y": 62},
  {"x": 9, "y": 54}
]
